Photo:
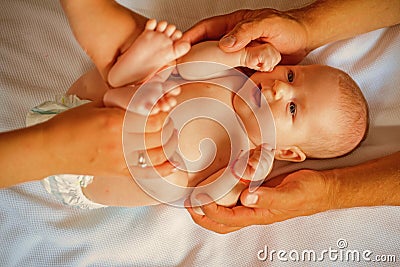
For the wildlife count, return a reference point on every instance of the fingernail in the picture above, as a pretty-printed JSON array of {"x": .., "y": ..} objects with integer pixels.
[
  {"x": 251, "y": 199},
  {"x": 228, "y": 41}
]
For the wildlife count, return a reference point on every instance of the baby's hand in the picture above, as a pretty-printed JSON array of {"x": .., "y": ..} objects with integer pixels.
[
  {"x": 254, "y": 165},
  {"x": 261, "y": 57}
]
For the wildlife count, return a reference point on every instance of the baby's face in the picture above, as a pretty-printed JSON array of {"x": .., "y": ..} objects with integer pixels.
[{"x": 303, "y": 100}]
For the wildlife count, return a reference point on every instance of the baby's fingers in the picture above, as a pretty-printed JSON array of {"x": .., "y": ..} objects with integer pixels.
[
  {"x": 254, "y": 165},
  {"x": 262, "y": 57}
]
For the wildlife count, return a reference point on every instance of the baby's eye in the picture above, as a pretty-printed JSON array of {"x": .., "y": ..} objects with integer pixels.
[
  {"x": 290, "y": 76},
  {"x": 292, "y": 108}
]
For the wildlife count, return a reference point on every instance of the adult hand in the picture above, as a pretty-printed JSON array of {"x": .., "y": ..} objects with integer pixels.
[
  {"x": 147, "y": 134},
  {"x": 286, "y": 33},
  {"x": 88, "y": 140},
  {"x": 301, "y": 193},
  {"x": 294, "y": 33}
]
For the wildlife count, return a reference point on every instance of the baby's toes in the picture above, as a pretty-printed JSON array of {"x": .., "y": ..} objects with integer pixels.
[
  {"x": 169, "y": 31},
  {"x": 161, "y": 26},
  {"x": 155, "y": 110},
  {"x": 151, "y": 24},
  {"x": 176, "y": 35},
  {"x": 171, "y": 101},
  {"x": 181, "y": 48},
  {"x": 175, "y": 91},
  {"x": 163, "y": 105}
]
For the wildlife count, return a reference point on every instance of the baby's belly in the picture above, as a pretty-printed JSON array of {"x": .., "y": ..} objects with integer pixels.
[{"x": 210, "y": 135}]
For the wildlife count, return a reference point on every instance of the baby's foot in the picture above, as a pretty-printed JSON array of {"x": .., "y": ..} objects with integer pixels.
[
  {"x": 261, "y": 57},
  {"x": 155, "y": 48}
]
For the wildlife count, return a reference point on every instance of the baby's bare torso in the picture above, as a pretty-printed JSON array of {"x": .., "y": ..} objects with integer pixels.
[
  {"x": 213, "y": 134},
  {"x": 208, "y": 143}
]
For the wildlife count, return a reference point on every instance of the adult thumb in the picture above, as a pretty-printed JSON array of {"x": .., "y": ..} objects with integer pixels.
[
  {"x": 241, "y": 35},
  {"x": 267, "y": 197}
]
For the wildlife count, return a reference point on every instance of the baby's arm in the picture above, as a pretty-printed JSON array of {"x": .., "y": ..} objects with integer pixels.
[
  {"x": 223, "y": 187},
  {"x": 261, "y": 58},
  {"x": 226, "y": 185}
]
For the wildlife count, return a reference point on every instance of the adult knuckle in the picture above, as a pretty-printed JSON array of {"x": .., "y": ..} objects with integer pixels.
[{"x": 246, "y": 26}]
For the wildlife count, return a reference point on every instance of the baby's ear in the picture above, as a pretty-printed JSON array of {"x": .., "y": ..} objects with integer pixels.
[{"x": 294, "y": 154}]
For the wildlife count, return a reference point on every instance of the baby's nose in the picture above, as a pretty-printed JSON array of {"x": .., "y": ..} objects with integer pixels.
[
  {"x": 279, "y": 90},
  {"x": 274, "y": 92}
]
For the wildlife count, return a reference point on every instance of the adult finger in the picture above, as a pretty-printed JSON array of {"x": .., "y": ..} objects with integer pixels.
[
  {"x": 154, "y": 156},
  {"x": 136, "y": 123},
  {"x": 287, "y": 198},
  {"x": 208, "y": 223},
  {"x": 150, "y": 172},
  {"x": 208, "y": 29},
  {"x": 242, "y": 34},
  {"x": 142, "y": 141},
  {"x": 212, "y": 28},
  {"x": 238, "y": 216}
]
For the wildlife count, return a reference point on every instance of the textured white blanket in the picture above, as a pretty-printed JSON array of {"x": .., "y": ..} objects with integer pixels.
[{"x": 40, "y": 58}]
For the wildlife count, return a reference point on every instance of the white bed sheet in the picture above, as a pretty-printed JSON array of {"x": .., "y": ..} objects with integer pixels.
[{"x": 40, "y": 58}]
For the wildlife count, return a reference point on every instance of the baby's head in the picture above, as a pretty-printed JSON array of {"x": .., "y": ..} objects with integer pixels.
[{"x": 319, "y": 111}]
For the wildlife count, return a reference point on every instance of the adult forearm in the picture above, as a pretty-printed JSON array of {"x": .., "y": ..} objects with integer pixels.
[
  {"x": 373, "y": 183},
  {"x": 332, "y": 20},
  {"x": 23, "y": 156}
]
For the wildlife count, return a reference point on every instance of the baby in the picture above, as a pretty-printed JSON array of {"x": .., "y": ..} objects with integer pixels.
[{"x": 319, "y": 112}]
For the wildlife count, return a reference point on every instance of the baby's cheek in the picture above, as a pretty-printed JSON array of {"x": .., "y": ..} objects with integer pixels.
[{"x": 282, "y": 132}]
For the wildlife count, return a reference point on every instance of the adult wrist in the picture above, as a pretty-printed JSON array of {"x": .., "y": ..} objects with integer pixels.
[
  {"x": 307, "y": 20},
  {"x": 372, "y": 183},
  {"x": 22, "y": 157},
  {"x": 41, "y": 158}
]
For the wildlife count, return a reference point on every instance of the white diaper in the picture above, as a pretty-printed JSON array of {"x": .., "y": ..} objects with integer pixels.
[
  {"x": 65, "y": 187},
  {"x": 68, "y": 189}
]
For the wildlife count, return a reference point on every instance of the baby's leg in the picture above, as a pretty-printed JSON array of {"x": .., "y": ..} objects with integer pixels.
[
  {"x": 155, "y": 47},
  {"x": 89, "y": 86}
]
